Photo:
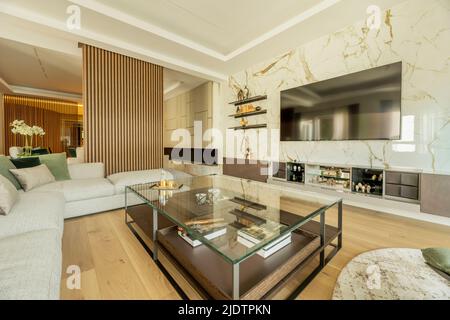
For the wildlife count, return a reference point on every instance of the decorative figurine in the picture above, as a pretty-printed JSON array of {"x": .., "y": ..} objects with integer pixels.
[
  {"x": 374, "y": 177},
  {"x": 250, "y": 108},
  {"x": 246, "y": 93},
  {"x": 244, "y": 122},
  {"x": 240, "y": 95},
  {"x": 368, "y": 188}
]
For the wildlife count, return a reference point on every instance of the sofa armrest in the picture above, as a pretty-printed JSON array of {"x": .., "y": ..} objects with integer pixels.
[{"x": 79, "y": 171}]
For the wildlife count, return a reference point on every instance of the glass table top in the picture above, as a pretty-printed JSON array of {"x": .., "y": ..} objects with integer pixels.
[{"x": 232, "y": 216}]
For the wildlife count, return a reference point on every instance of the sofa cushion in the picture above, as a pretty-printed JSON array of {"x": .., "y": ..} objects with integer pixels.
[
  {"x": 8, "y": 195},
  {"x": 80, "y": 171},
  {"x": 34, "y": 211},
  {"x": 76, "y": 190},
  {"x": 5, "y": 165},
  {"x": 123, "y": 179},
  {"x": 57, "y": 164},
  {"x": 30, "y": 266}
]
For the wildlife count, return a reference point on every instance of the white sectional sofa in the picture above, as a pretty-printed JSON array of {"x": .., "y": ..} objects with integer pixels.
[
  {"x": 90, "y": 192},
  {"x": 30, "y": 247},
  {"x": 31, "y": 234}
]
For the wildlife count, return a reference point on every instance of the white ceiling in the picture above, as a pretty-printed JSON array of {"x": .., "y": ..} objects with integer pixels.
[
  {"x": 209, "y": 39},
  {"x": 33, "y": 67},
  {"x": 176, "y": 82},
  {"x": 222, "y": 26},
  {"x": 28, "y": 69}
]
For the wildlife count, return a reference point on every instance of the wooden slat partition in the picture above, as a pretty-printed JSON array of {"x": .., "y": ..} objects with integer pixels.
[{"x": 123, "y": 120}]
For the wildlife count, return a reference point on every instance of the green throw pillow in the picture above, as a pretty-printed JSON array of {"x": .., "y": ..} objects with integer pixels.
[
  {"x": 57, "y": 164},
  {"x": 28, "y": 162},
  {"x": 438, "y": 258},
  {"x": 5, "y": 165}
]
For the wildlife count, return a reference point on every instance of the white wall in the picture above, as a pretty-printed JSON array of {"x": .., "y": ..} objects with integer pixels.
[
  {"x": 415, "y": 32},
  {"x": 181, "y": 111}
]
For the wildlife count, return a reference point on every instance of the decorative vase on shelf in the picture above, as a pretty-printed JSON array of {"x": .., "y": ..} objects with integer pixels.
[{"x": 28, "y": 148}]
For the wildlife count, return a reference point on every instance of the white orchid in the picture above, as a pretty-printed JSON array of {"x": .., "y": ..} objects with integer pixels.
[
  {"x": 38, "y": 131},
  {"x": 20, "y": 127}
]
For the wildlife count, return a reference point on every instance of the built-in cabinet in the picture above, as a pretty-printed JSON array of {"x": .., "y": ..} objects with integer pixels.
[
  {"x": 295, "y": 172},
  {"x": 279, "y": 170},
  {"x": 402, "y": 185},
  {"x": 368, "y": 181},
  {"x": 394, "y": 185},
  {"x": 434, "y": 194},
  {"x": 338, "y": 178}
]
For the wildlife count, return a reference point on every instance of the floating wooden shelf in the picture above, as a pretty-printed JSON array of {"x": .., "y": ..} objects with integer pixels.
[
  {"x": 254, "y": 126},
  {"x": 249, "y": 100},
  {"x": 248, "y": 114}
]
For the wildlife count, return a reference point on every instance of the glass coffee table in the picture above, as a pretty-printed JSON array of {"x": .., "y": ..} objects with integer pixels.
[{"x": 235, "y": 238}]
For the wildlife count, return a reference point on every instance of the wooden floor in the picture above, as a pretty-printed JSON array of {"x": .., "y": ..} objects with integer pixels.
[{"x": 114, "y": 265}]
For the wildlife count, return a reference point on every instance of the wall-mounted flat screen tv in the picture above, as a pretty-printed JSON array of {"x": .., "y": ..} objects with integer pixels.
[{"x": 360, "y": 106}]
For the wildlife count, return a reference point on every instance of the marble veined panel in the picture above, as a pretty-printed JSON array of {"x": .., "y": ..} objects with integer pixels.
[{"x": 415, "y": 32}]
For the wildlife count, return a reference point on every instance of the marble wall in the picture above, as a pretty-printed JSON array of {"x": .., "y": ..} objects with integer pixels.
[{"x": 415, "y": 32}]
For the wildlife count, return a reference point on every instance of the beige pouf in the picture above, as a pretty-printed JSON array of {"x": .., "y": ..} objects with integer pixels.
[{"x": 390, "y": 274}]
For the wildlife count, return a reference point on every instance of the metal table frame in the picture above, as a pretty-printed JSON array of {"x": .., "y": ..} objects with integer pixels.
[{"x": 236, "y": 266}]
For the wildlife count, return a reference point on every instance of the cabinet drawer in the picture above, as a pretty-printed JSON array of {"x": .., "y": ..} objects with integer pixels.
[
  {"x": 409, "y": 192},
  {"x": 410, "y": 179},
  {"x": 393, "y": 177},
  {"x": 393, "y": 190}
]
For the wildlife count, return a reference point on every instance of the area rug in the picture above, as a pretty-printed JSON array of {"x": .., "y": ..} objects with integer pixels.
[{"x": 390, "y": 274}]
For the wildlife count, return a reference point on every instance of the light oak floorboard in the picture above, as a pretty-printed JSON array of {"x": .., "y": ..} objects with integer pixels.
[{"x": 114, "y": 265}]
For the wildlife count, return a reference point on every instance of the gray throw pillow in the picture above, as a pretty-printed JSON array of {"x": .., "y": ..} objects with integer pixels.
[
  {"x": 57, "y": 164},
  {"x": 5, "y": 165},
  {"x": 8, "y": 195},
  {"x": 33, "y": 177},
  {"x": 438, "y": 258}
]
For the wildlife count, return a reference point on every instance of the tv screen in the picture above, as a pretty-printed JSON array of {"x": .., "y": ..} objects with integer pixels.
[{"x": 361, "y": 106}]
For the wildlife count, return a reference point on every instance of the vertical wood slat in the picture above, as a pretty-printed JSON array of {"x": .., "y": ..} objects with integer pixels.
[{"x": 123, "y": 99}]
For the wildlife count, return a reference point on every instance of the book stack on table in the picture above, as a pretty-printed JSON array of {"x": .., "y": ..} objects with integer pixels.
[
  {"x": 249, "y": 238},
  {"x": 209, "y": 228}
]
